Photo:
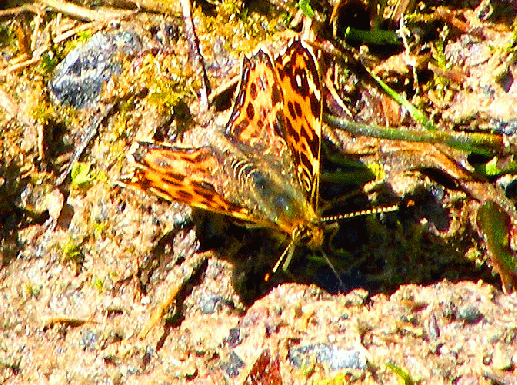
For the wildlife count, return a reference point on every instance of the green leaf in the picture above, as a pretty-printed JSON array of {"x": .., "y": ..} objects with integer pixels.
[
  {"x": 305, "y": 6},
  {"x": 81, "y": 174},
  {"x": 496, "y": 226},
  {"x": 404, "y": 376}
]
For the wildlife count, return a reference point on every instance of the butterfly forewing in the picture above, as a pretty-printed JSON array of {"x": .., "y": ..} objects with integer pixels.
[
  {"x": 300, "y": 83},
  {"x": 186, "y": 175}
]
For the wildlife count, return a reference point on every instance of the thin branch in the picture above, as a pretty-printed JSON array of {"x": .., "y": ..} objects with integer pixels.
[
  {"x": 190, "y": 32},
  {"x": 83, "y": 13}
]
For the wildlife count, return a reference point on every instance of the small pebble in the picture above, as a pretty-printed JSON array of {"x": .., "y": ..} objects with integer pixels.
[
  {"x": 469, "y": 314},
  {"x": 79, "y": 79},
  {"x": 337, "y": 358},
  {"x": 233, "y": 365}
]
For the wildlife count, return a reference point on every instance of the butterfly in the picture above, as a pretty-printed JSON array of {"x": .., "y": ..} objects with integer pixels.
[{"x": 263, "y": 167}]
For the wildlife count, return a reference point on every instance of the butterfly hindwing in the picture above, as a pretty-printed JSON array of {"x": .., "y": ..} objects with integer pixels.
[{"x": 258, "y": 102}]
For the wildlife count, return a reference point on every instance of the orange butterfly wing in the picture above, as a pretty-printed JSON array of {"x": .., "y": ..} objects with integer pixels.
[
  {"x": 186, "y": 175},
  {"x": 264, "y": 167},
  {"x": 299, "y": 79}
]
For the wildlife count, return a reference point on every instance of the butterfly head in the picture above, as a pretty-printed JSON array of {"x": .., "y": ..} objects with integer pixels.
[{"x": 310, "y": 234}]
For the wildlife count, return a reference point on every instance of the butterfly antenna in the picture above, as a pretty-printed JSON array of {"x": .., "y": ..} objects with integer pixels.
[{"x": 376, "y": 210}]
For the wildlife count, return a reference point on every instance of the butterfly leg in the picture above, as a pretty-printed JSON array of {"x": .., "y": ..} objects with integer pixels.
[
  {"x": 343, "y": 260},
  {"x": 284, "y": 260}
]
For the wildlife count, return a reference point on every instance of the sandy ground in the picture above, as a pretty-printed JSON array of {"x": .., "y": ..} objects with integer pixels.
[{"x": 85, "y": 263}]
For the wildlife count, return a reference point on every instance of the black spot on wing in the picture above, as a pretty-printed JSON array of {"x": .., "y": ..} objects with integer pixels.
[
  {"x": 290, "y": 107},
  {"x": 276, "y": 94},
  {"x": 279, "y": 124},
  {"x": 250, "y": 111},
  {"x": 315, "y": 105},
  {"x": 305, "y": 160},
  {"x": 290, "y": 130},
  {"x": 204, "y": 189},
  {"x": 253, "y": 91},
  {"x": 298, "y": 109},
  {"x": 175, "y": 179},
  {"x": 314, "y": 146},
  {"x": 184, "y": 195}
]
